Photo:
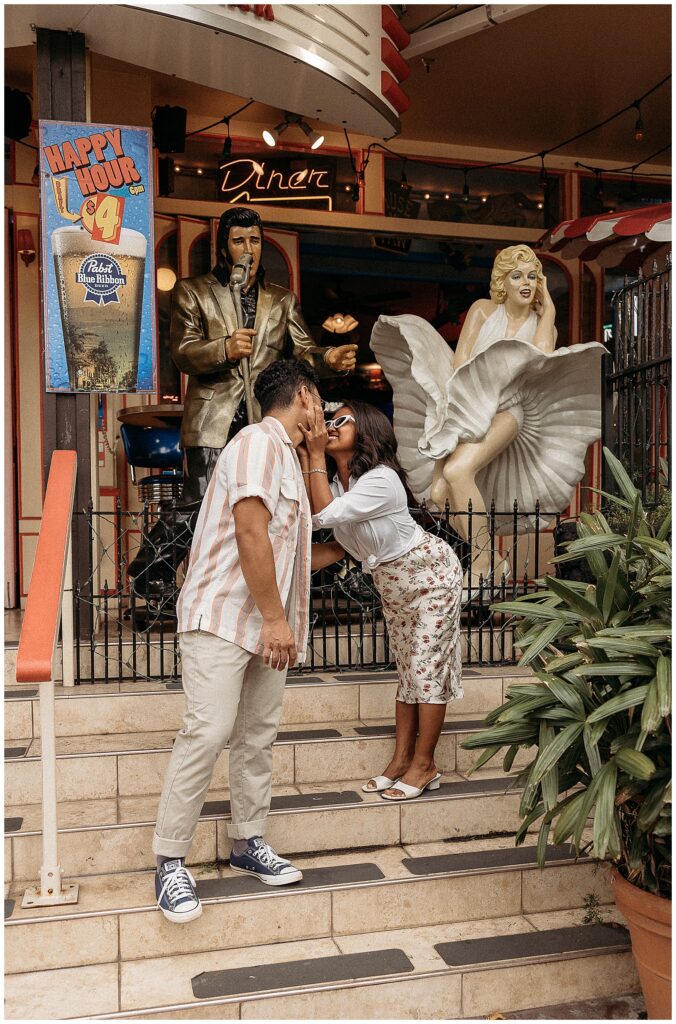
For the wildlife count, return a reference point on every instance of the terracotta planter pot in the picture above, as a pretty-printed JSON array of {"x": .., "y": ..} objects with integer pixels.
[{"x": 649, "y": 920}]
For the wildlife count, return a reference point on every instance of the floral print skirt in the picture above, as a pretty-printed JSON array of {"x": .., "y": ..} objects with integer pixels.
[{"x": 421, "y": 594}]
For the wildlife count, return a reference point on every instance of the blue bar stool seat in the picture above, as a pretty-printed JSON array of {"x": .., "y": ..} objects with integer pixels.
[{"x": 154, "y": 448}]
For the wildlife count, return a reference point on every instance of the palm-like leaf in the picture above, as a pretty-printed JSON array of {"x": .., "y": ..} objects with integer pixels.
[{"x": 599, "y": 720}]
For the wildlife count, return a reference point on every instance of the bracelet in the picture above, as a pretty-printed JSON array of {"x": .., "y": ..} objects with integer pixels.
[{"x": 306, "y": 472}]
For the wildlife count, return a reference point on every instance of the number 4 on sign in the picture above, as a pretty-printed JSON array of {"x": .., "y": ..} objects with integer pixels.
[{"x": 102, "y": 217}]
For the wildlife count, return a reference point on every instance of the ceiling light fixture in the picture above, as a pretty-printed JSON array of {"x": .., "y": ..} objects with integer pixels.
[{"x": 271, "y": 135}]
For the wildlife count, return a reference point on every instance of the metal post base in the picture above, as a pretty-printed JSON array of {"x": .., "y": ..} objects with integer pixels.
[{"x": 68, "y": 894}]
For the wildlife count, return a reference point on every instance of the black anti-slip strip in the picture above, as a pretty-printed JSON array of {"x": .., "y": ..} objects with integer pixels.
[
  {"x": 9, "y": 909},
  {"x": 367, "y": 677},
  {"x": 292, "y": 974},
  {"x": 295, "y": 800},
  {"x": 527, "y": 944},
  {"x": 210, "y": 888},
  {"x": 486, "y": 859},
  {"x": 448, "y": 727},
  {"x": 309, "y": 734},
  {"x": 13, "y": 824},
  {"x": 176, "y": 685},
  {"x": 16, "y": 694},
  {"x": 473, "y": 786},
  {"x": 304, "y": 679},
  {"x": 15, "y": 751}
]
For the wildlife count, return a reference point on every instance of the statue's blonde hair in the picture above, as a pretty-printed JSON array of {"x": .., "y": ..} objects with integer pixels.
[{"x": 507, "y": 261}]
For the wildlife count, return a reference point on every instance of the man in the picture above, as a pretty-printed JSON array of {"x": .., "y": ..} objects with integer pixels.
[
  {"x": 207, "y": 345},
  {"x": 242, "y": 622}
]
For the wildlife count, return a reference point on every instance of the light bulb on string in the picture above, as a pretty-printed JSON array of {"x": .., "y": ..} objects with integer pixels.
[
  {"x": 639, "y": 127},
  {"x": 465, "y": 189},
  {"x": 598, "y": 187}
]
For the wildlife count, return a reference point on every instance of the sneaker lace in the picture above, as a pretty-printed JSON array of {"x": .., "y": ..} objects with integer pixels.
[
  {"x": 178, "y": 885},
  {"x": 267, "y": 856}
]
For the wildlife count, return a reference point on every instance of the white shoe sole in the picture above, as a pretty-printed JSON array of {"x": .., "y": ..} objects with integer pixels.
[
  {"x": 286, "y": 879},
  {"x": 188, "y": 915}
]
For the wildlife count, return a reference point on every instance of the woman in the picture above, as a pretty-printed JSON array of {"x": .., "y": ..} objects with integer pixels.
[
  {"x": 417, "y": 575},
  {"x": 508, "y": 417}
]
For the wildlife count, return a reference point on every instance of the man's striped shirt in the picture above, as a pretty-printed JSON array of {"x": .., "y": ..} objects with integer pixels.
[{"x": 259, "y": 462}]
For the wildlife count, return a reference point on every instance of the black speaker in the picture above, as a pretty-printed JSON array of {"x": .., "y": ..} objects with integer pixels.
[
  {"x": 18, "y": 115},
  {"x": 169, "y": 129},
  {"x": 165, "y": 176}
]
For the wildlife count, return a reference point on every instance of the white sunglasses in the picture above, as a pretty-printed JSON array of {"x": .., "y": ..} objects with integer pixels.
[{"x": 340, "y": 422}]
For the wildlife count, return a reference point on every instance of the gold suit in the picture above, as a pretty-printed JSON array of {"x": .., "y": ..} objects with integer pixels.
[{"x": 202, "y": 318}]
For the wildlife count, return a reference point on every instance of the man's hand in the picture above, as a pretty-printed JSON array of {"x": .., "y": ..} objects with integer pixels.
[
  {"x": 343, "y": 359},
  {"x": 239, "y": 344},
  {"x": 279, "y": 647}
]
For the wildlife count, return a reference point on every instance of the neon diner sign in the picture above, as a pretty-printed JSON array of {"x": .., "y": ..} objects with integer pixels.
[{"x": 247, "y": 179}]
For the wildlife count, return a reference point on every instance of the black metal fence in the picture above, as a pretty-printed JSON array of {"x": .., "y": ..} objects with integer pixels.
[
  {"x": 637, "y": 406},
  {"x": 120, "y": 635}
]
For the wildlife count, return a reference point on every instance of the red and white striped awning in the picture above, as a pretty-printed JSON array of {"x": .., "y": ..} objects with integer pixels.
[{"x": 626, "y": 238}]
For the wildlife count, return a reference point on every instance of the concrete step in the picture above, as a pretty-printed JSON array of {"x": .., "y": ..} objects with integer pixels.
[
  {"x": 340, "y": 894},
  {"x": 465, "y": 969},
  {"x": 134, "y": 764},
  {"x": 127, "y": 707},
  {"x": 115, "y": 834}
]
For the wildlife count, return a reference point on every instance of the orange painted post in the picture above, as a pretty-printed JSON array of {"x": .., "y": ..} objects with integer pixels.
[{"x": 49, "y": 604}]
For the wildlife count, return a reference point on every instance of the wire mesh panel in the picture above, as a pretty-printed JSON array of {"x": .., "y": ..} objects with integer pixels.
[
  {"x": 134, "y": 637},
  {"x": 637, "y": 408}
]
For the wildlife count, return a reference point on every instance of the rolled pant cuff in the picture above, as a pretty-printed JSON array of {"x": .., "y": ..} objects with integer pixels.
[
  {"x": 170, "y": 847},
  {"x": 247, "y": 829}
]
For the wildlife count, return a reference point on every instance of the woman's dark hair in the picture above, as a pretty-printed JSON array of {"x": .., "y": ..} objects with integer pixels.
[
  {"x": 375, "y": 443},
  {"x": 276, "y": 386}
]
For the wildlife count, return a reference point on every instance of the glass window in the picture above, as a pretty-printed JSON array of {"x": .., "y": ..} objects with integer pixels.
[
  {"x": 257, "y": 173},
  {"x": 421, "y": 190},
  {"x": 606, "y": 195}
]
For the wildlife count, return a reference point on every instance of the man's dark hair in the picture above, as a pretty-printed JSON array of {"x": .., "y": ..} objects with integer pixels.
[
  {"x": 239, "y": 217},
  {"x": 277, "y": 385}
]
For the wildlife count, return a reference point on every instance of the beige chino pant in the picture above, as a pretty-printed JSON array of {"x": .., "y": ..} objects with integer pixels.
[{"x": 231, "y": 696}]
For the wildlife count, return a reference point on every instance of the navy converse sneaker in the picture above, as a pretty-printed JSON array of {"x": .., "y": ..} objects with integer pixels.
[
  {"x": 176, "y": 894},
  {"x": 261, "y": 860}
]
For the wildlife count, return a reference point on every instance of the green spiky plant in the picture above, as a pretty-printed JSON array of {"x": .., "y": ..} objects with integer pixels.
[{"x": 600, "y": 717}]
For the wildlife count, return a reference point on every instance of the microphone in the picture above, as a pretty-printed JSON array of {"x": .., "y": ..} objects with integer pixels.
[{"x": 239, "y": 275}]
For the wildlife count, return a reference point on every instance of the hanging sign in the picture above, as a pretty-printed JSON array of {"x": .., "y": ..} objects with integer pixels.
[
  {"x": 97, "y": 257},
  {"x": 245, "y": 179}
]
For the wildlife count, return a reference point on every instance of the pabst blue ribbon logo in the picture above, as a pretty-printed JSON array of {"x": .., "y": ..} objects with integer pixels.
[{"x": 102, "y": 276}]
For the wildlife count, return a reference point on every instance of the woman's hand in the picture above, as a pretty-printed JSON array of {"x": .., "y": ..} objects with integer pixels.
[
  {"x": 315, "y": 434},
  {"x": 543, "y": 300}
]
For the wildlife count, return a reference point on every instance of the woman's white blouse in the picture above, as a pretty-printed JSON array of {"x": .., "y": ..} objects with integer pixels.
[{"x": 371, "y": 520}]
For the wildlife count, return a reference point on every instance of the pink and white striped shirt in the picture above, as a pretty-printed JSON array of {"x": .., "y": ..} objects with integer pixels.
[{"x": 259, "y": 462}]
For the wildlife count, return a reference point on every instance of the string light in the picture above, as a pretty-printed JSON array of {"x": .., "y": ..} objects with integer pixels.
[
  {"x": 639, "y": 133},
  {"x": 598, "y": 187},
  {"x": 544, "y": 180}
]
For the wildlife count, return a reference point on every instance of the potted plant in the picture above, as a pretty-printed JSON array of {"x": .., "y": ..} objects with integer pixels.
[{"x": 599, "y": 716}]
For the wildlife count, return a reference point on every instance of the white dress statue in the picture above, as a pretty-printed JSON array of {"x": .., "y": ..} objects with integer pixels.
[{"x": 509, "y": 417}]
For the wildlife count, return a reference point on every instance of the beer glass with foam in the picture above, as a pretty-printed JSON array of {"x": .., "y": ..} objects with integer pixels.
[{"x": 100, "y": 288}]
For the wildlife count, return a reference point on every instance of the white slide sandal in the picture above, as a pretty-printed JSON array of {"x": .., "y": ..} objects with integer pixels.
[
  {"x": 381, "y": 783},
  {"x": 411, "y": 792}
]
